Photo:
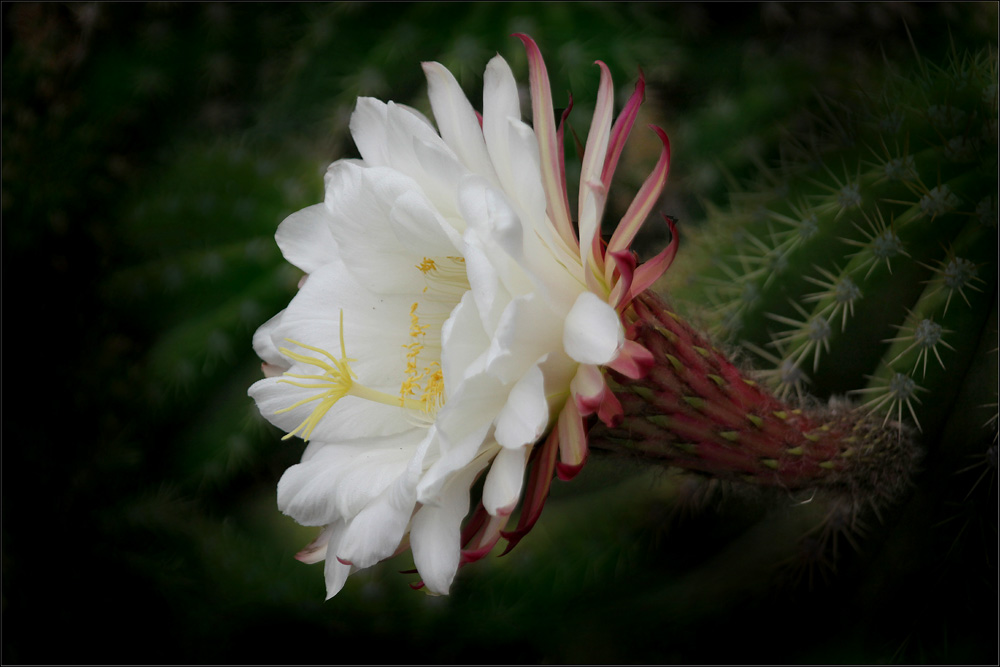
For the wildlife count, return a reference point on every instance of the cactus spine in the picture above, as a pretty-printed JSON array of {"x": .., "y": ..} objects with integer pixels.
[{"x": 866, "y": 263}]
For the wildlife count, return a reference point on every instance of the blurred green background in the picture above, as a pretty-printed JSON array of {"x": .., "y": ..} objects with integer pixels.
[{"x": 149, "y": 152}]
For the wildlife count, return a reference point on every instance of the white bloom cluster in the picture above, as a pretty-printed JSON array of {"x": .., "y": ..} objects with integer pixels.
[{"x": 449, "y": 323}]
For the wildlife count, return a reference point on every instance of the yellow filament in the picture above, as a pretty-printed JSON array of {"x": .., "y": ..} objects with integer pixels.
[{"x": 337, "y": 381}]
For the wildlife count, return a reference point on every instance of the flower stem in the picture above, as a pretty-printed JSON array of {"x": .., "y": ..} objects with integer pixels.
[{"x": 698, "y": 411}]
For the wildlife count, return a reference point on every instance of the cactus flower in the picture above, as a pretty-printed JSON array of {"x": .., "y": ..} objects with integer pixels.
[{"x": 452, "y": 322}]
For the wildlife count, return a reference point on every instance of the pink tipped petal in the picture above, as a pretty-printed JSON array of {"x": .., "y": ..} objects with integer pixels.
[
  {"x": 549, "y": 147},
  {"x": 593, "y": 193},
  {"x": 649, "y": 272},
  {"x": 502, "y": 488},
  {"x": 572, "y": 442},
  {"x": 634, "y": 361},
  {"x": 624, "y": 262},
  {"x": 560, "y": 133},
  {"x": 435, "y": 533},
  {"x": 644, "y": 201},
  {"x": 587, "y": 389},
  {"x": 611, "y": 411},
  {"x": 315, "y": 551},
  {"x": 622, "y": 128},
  {"x": 592, "y": 394},
  {"x": 543, "y": 462},
  {"x": 525, "y": 416},
  {"x": 481, "y": 534}
]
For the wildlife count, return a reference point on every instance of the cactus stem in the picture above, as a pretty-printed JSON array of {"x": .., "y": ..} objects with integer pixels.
[{"x": 736, "y": 430}]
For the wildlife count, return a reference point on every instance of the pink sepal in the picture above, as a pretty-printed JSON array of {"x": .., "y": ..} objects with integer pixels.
[
  {"x": 549, "y": 151},
  {"x": 539, "y": 481},
  {"x": 644, "y": 200},
  {"x": 624, "y": 267},
  {"x": 610, "y": 412},
  {"x": 649, "y": 272},
  {"x": 633, "y": 361},
  {"x": 271, "y": 370},
  {"x": 480, "y": 535},
  {"x": 573, "y": 449},
  {"x": 315, "y": 551},
  {"x": 622, "y": 128},
  {"x": 560, "y": 133}
]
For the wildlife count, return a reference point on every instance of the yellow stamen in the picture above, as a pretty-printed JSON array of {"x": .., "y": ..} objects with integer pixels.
[
  {"x": 432, "y": 393},
  {"x": 337, "y": 381},
  {"x": 446, "y": 277}
]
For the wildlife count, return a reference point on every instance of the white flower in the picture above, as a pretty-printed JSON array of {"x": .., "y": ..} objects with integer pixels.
[{"x": 451, "y": 324}]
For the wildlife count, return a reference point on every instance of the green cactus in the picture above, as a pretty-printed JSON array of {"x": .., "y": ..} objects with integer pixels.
[{"x": 866, "y": 263}]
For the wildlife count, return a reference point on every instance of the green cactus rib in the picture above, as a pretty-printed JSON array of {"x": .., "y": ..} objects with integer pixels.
[{"x": 866, "y": 263}]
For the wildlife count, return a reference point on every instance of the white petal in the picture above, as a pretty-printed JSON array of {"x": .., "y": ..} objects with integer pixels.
[
  {"x": 368, "y": 130},
  {"x": 462, "y": 425},
  {"x": 588, "y": 383},
  {"x": 436, "y": 532},
  {"x": 457, "y": 120},
  {"x": 264, "y": 346},
  {"x": 463, "y": 344},
  {"x": 500, "y": 103},
  {"x": 502, "y": 488},
  {"x": 525, "y": 416},
  {"x": 375, "y": 533},
  {"x": 496, "y": 234},
  {"x": 339, "y": 481},
  {"x": 305, "y": 238},
  {"x": 444, "y": 173},
  {"x": 527, "y": 330},
  {"x": 420, "y": 228},
  {"x": 334, "y": 571},
  {"x": 375, "y": 327},
  {"x": 385, "y": 226},
  {"x": 593, "y": 332},
  {"x": 404, "y": 131},
  {"x": 490, "y": 296}
]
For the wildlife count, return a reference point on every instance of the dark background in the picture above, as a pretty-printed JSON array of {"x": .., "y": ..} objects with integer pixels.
[{"x": 149, "y": 152}]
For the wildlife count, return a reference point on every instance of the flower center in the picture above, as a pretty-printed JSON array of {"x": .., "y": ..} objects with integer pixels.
[
  {"x": 422, "y": 388},
  {"x": 446, "y": 278},
  {"x": 338, "y": 380}
]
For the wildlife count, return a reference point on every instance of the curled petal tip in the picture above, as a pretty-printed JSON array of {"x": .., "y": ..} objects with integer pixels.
[{"x": 566, "y": 472}]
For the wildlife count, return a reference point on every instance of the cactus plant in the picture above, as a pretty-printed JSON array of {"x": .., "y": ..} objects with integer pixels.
[
  {"x": 866, "y": 264},
  {"x": 862, "y": 271},
  {"x": 181, "y": 134}
]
